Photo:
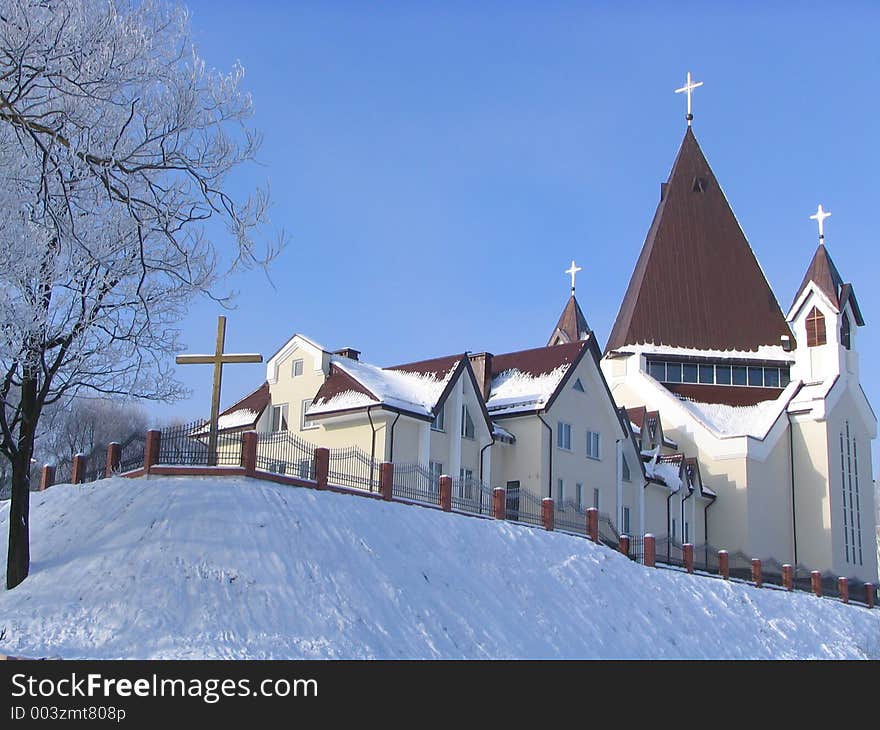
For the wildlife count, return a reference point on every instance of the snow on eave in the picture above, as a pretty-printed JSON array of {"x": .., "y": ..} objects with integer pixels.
[
  {"x": 764, "y": 352},
  {"x": 341, "y": 401},
  {"x": 515, "y": 391}
]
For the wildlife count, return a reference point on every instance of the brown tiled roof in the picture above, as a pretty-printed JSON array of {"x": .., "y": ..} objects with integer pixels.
[
  {"x": 731, "y": 395},
  {"x": 338, "y": 381},
  {"x": 637, "y": 415},
  {"x": 825, "y": 275},
  {"x": 538, "y": 361},
  {"x": 572, "y": 325},
  {"x": 438, "y": 366},
  {"x": 697, "y": 283},
  {"x": 255, "y": 401}
]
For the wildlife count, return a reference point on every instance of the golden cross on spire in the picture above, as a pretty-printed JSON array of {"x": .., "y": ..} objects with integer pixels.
[
  {"x": 573, "y": 272},
  {"x": 688, "y": 89},
  {"x": 218, "y": 360},
  {"x": 820, "y": 217}
]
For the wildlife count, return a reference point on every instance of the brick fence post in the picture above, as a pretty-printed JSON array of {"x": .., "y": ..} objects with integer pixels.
[
  {"x": 687, "y": 553},
  {"x": 47, "y": 477},
  {"x": 724, "y": 564},
  {"x": 757, "y": 577},
  {"x": 623, "y": 546},
  {"x": 547, "y": 514},
  {"x": 499, "y": 503},
  {"x": 114, "y": 453},
  {"x": 249, "y": 452},
  {"x": 446, "y": 493},
  {"x": 869, "y": 594},
  {"x": 151, "y": 449},
  {"x": 386, "y": 480},
  {"x": 650, "y": 550},
  {"x": 322, "y": 466},
  {"x": 593, "y": 524},
  {"x": 788, "y": 577},
  {"x": 78, "y": 472},
  {"x": 843, "y": 589},
  {"x": 816, "y": 582}
]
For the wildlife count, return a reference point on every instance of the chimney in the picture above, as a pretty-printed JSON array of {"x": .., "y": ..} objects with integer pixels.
[
  {"x": 482, "y": 365},
  {"x": 348, "y": 352}
]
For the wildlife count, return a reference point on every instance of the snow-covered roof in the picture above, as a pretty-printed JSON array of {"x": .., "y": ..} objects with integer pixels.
[
  {"x": 415, "y": 392},
  {"x": 502, "y": 433},
  {"x": 514, "y": 391},
  {"x": 764, "y": 352},
  {"x": 667, "y": 471},
  {"x": 810, "y": 393},
  {"x": 727, "y": 420}
]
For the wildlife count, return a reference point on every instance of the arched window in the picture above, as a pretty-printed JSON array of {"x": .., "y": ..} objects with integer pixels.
[
  {"x": 815, "y": 328},
  {"x": 844, "y": 331}
]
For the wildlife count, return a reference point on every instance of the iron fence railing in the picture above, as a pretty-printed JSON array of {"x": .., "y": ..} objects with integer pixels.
[
  {"x": 352, "y": 467},
  {"x": 281, "y": 452},
  {"x": 569, "y": 516},
  {"x": 179, "y": 447},
  {"x": 471, "y": 495},
  {"x": 416, "y": 482},
  {"x": 131, "y": 452},
  {"x": 525, "y": 508},
  {"x": 608, "y": 534}
]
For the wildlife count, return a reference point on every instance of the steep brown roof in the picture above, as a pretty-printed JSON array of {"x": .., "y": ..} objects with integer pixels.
[
  {"x": 824, "y": 274},
  {"x": 438, "y": 366},
  {"x": 539, "y": 361},
  {"x": 572, "y": 325},
  {"x": 338, "y": 381},
  {"x": 739, "y": 395},
  {"x": 255, "y": 402},
  {"x": 697, "y": 283}
]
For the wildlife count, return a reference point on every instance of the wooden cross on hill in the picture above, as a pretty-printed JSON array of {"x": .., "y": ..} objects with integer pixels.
[{"x": 218, "y": 360}]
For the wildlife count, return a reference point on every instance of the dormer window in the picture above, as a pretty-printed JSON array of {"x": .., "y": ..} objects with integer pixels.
[
  {"x": 438, "y": 423},
  {"x": 815, "y": 328},
  {"x": 844, "y": 331}
]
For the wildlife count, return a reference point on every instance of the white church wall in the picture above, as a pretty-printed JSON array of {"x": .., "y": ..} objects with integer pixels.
[
  {"x": 813, "y": 505},
  {"x": 769, "y": 505}
]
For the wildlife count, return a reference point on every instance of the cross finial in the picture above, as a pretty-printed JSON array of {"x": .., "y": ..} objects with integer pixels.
[
  {"x": 573, "y": 271},
  {"x": 688, "y": 89},
  {"x": 820, "y": 217}
]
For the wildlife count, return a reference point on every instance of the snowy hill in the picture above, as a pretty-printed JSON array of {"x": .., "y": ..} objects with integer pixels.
[{"x": 233, "y": 568}]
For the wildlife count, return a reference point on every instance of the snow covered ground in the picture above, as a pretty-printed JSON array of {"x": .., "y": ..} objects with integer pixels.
[{"x": 233, "y": 568}]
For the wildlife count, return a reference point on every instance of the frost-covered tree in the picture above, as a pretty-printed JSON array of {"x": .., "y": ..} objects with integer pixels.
[{"x": 116, "y": 142}]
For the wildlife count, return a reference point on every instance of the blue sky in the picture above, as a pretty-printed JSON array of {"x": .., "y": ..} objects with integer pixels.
[{"x": 438, "y": 165}]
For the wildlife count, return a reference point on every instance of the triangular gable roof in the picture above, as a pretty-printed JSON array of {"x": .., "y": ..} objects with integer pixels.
[
  {"x": 572, "y": 325},
  {"x": 243, "y": 414},
  {"x": 697, "y": 282},
  {"x": 824, "y": 274}
]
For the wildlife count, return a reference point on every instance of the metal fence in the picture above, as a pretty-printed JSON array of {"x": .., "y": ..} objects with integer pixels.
[
  {"x": 415, "y": 482},
  {"x": 608, "y": 534},
  {"x": 355, "y": 468},
  {"x": 472, "y": 496},
  {"x": 525, "y": 507},
  {"x": 282, "y": 452},
  {"x": 131, "y": 452},
  {"x": 569, "y": 516}
]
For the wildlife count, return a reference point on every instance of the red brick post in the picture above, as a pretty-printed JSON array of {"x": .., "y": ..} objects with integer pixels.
[
  {"x": 816, "y": 582},
  {"x": 869, "y": 594},
  {"x": 151, "y": 449},
  {"x": 623, "y": 546},
  {"x": 650, "y": 550},
  {"x": 724, "y": 564},
  {"x": 843, "y": 589},
  {"x": 788, "y": 577},
  {"x": 47, "y": 477},
  {"x": 446, "y": 493},
  {"x": 386, "y": 480},
  {"x": 593, "y": 524},
  {"x": 78, "y": 472},
  {"x": 114, "y": 452},
  {"x": 322, "y": 466},
  {"x": 757, "y": 578},
  {"x": 687, "y": 552},
  {"x": 547, "y": 513},
  {"x": 499, "y": 503},
  {"x": 249, "y": 452}
]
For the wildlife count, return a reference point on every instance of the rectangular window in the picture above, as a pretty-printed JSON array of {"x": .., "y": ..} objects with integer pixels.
[
  {"x": 756, "y": 376},
  {"x": 657, "y": 370},
  {"x": 784, "y": 378},
  {"x": 436, "y": 470},
  {"x": 673, "y": 372},
  {"x": 722, "y": 374},
  {"x": 279, "y": 417},
  {"x": 305, "y": 423},
  {"x": 467, "y": 423},
  {"x": 625, "y": 469},
  {"x": 625, "y": 521},
  {"x": 739, "y": 375},
  {"x": 689, "y": 373},
  {"x": 297, "y": 369},
  {"x": 707, "y": 374},
  {"x": 579, "y": 495},
  {"x": 596, "y": 498},
  {"x": 563, "y": 436},
  {"x": 439, "y": 422},
  {"x": 560, "y": 491},
  {"x": 592, "y": 444},
  {"x": 771, "y": 377}
]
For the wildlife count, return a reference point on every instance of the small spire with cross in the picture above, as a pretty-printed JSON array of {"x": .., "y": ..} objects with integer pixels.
[
  {"x": 573, "y": 272},
  {"x": 820, "y": 217},
  {"x": 218, "y": 359},
  {"x": 688, "y": 89}
]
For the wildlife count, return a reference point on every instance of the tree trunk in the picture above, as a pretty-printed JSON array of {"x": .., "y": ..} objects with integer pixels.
[{"x": 18, "y": 558}]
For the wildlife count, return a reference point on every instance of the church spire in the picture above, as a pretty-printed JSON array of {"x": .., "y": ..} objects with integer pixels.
[
  {"x": 572, "y": 325},
  {"x": 688, "y": 89}
]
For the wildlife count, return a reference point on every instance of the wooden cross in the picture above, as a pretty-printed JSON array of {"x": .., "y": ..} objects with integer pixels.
[
  {"x": 573, "y": 272},
  {"x": 218, "y": 359},
  {"x": 688, "y": 89},
  {"x": 820, "y": 217}
]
